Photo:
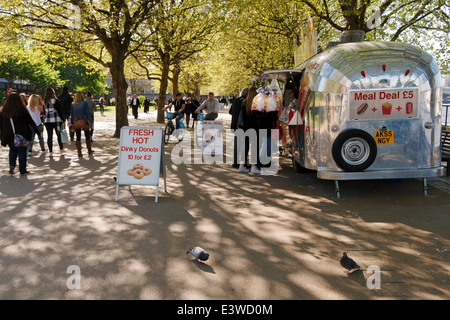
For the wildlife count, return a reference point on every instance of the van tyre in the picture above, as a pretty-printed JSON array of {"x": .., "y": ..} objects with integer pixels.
[{"x": 354, "y": 150}]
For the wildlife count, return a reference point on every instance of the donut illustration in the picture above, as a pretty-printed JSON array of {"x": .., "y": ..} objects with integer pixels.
[
  {"x": 139, "y": 171},
  {"x": 138, "y": 174}
]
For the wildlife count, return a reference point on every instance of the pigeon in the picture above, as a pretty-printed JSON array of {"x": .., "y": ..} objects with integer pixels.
[
  {"x": 199, "y": 253},
  {"x": 349, "y": 264}
]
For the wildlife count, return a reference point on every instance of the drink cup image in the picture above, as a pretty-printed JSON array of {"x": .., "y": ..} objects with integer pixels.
[
  {"x": 409, "y": 108},
  {"x": 387, "y": 108}
]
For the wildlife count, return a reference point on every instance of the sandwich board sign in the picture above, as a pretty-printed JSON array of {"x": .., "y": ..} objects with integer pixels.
[
  {"x": 141, "y": 158},
  {"x": 212, "y": 138}
]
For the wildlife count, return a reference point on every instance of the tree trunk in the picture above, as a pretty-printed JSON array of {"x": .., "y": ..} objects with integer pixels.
[
  {"x": 163, "y": 88},
  {"x": 120, "y": 87},
  {"x": 197, "y": 90},
  {"x": 175, "y": 79}
]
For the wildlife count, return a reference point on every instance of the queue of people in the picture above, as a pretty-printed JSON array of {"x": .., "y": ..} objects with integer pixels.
[
  {"x": 243, "y": 117},
  {"x": 248, "y": 154},
  {"x": 23, "y": 117}
]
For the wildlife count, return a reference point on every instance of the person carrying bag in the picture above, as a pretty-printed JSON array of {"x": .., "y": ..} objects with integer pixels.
[
  {"x": 81, "y": 120},
  {"x": 53, "y": 117},
  {"x": 15, "y": 126}
]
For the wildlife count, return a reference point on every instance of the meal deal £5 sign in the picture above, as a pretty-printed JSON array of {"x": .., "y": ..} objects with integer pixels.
[
  {"x": 212, "y": 143},
  {"x": 384, "y": 104},
  {"x": 139, "y": 156}
]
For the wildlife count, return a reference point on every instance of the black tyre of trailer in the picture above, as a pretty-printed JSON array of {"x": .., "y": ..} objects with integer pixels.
[{"x": 354, "y": 150}]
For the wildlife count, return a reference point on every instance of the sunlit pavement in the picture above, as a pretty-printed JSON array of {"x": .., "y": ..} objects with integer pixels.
[{"x": 269, "y": 237}]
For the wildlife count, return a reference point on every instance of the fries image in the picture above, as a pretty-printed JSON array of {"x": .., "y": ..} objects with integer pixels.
[{"x": 387, "y": 108}]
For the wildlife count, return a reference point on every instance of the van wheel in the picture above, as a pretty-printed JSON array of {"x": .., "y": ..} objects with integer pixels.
[{"x": 354, "y": 150}]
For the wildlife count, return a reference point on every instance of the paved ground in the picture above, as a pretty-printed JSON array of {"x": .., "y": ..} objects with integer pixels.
[{"x": 270, "y": 237}]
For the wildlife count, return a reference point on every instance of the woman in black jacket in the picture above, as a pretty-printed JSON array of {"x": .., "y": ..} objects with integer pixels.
[
  {"x": 266, "y": 121},
  {"x": 252, "y": 141},
  {"x": 53, "y": 118},
  {"x": 15, "y": 111},
  {"x": 195, "y": 105}
]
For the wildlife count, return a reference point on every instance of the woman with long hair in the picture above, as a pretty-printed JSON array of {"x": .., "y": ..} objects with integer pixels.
[
  {"x": 53, "y": 118},
  {"x": 250, "y": 123},
  {"x": 15, "y": 119},
  {"x": 80, "y": 111},
  {"x": 35, "y": 108}
]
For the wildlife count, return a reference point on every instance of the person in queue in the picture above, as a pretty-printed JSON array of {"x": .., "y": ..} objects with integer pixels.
[{"x": 235, "y": 112}]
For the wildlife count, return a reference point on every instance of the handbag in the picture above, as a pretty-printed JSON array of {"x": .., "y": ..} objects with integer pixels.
[
  {"x": 19, "y": 140},
  {"x": 63, "y": 134},
  {"x": 79, "y": 123}
]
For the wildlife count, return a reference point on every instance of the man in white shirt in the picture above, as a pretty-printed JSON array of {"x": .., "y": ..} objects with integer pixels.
[
  {"x": 212, "y": 107},
  {"x": 135, "y": 104}
]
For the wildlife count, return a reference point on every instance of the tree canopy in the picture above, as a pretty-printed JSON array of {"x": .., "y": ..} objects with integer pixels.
[
  {"x": 104, "y": 31},
  {"x": 20, "y": 63},
  {"x": 222, "y": 42},
  {"x": 179, "y": 30}
]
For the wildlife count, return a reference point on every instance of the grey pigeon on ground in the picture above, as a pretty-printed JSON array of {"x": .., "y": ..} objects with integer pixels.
[
  {"x": 349, "y": 264},
  {"x": 198, "y": 253}
]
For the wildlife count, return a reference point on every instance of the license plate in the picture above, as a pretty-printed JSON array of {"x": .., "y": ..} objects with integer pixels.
[{"x": 384, "y": 137}]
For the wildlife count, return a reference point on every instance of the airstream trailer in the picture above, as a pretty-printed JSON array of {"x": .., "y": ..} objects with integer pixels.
[{"x": 367, "y": 110}]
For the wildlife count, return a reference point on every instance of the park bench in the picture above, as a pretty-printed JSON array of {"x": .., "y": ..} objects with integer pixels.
[{"x": 445, "y": 149}]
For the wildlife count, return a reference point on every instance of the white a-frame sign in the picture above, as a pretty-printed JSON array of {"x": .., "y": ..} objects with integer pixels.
[{"x": 141, "y": 158}]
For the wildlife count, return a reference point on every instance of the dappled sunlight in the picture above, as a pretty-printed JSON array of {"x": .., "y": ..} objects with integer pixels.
[
  {"x": 269, "y": 237},
  {"x": 316, "y": 286}
]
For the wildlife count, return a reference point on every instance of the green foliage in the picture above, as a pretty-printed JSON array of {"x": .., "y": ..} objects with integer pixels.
[
  {"x": 141, "y": 99},
  {"x": 30, "y": 65},
  {"x": 212, "y": 45},
  {"x": 83, "y": 78},
  {"x": 424, "y": 23},
  {"x": 35, "y": 67}
]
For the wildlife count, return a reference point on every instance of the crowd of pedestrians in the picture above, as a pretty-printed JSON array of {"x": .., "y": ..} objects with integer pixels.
[
  {"x": 23, "y": 117},
  {"x": 27, "y": 115}
]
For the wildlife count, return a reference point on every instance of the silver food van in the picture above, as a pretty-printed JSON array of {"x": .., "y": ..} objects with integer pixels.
[{"x": 366, "y": 110}]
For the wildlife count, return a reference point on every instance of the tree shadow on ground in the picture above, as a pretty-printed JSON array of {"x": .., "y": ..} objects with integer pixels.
[{"x": 272, "y": 237}]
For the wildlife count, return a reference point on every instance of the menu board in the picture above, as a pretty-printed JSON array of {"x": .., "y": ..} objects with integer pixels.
[{"x": 384, "y": 104}]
